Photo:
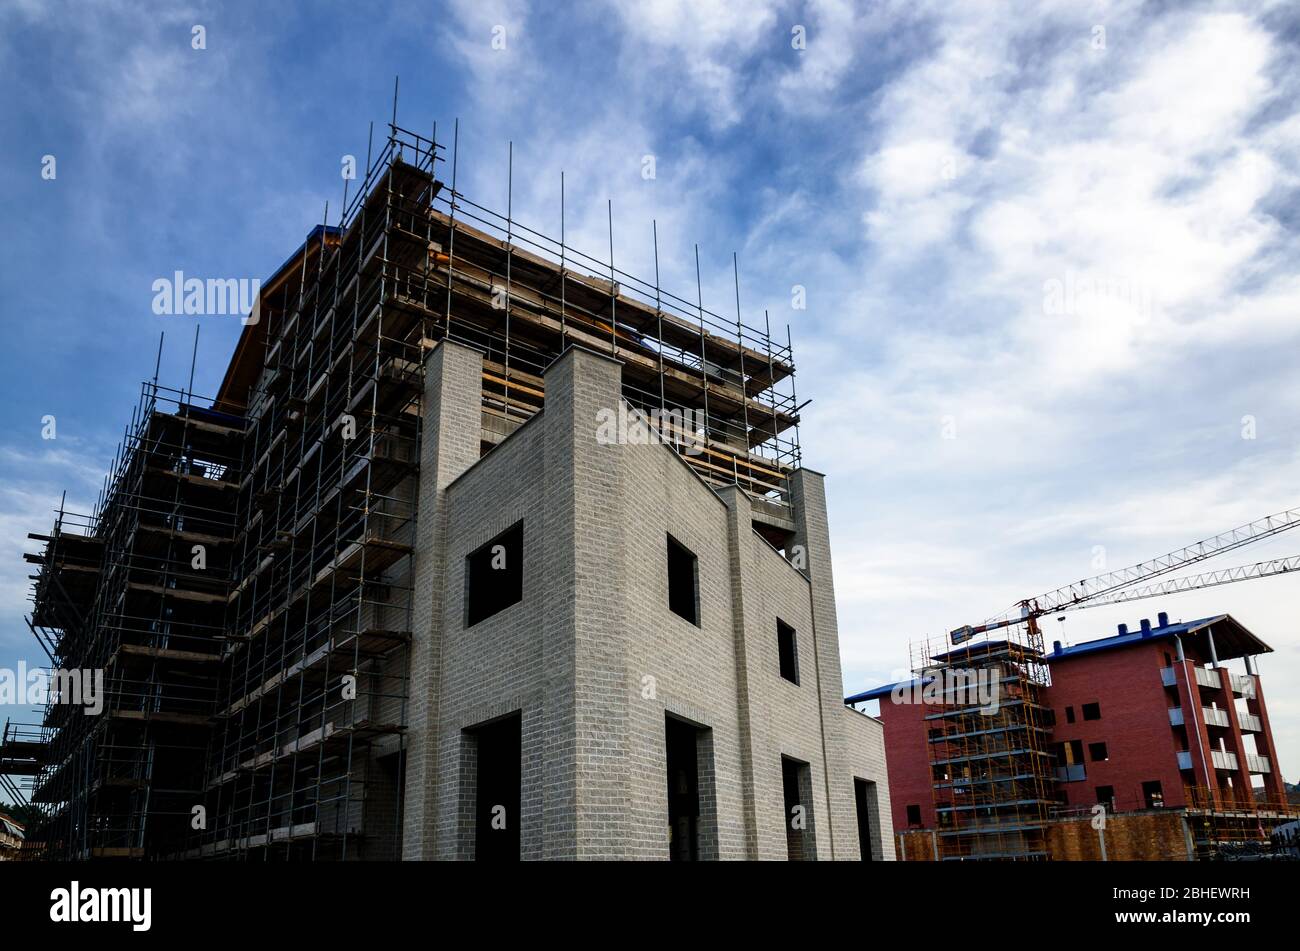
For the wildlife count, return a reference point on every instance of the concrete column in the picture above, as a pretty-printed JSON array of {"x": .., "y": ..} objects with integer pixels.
[
  {"x": 584, "y": 637},
  {"x": 739, "y": 531},
  {"x": 812, "y": 538},
  {"x": 1274, "y": 787},
  {"x": 449, "y": 444},
  {"x": 1244, "y": 788},
  {"x": 1198, "y": 736}
]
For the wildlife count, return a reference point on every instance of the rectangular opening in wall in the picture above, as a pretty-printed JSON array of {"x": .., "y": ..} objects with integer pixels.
[
  {"x": 682, "y": 749},
  {"x": 494, "y": 575},
  {"x": 683, "y": 581},
  {"x": 796, "y": 785},
  {"x": 1091, "y": 711},
  {"x": 913, "y": 815},
  {"x": 1070, "y": 767},
  {"x": 1106, "y": 796},
  {"x": 1153, "y": 796},
  {"x": 496, "y": 784},
  {"x": 787, "y": 648},
  {"x": 864, "y": 794},
  {"x": 1097, "y": 752}
]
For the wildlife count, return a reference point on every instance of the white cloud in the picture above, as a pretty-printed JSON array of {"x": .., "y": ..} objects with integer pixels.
[
  {"x": 1143, "y": 180},
  {"x": 695, "y": 48}
]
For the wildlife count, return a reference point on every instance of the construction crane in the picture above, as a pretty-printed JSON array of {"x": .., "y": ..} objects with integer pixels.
[{"x": 1115, "y": 587}]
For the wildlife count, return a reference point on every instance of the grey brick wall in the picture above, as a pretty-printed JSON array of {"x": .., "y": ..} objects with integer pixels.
[
  {"x": 812, "y": 531},
  {"x": 866, "y": 746},
  {"x": 449, "y": 446},
  {"x": 593, "y": 658}
]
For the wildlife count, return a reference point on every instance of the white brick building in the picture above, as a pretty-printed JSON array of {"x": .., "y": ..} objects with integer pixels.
[{"x": 584, "y": 671}]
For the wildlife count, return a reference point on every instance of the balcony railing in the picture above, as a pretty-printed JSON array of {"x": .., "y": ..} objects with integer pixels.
[
  {"x": 1169, "y": 676},
  {"x": 1223, "y": 760},
  {"x": 1175, "y": 716},
  {"x": 1250, "y": 723},
  {"x": 1243, "y": 684},
  {"x": 1184, "y": 759},
  {"x": 1208, "y": 677},
  {"x": 1257, "y": 764},
  {"x": 1215, "y": 717}
]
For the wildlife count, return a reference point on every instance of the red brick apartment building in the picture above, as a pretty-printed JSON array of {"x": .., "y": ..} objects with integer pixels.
[{"x": 1148, "y": 719}]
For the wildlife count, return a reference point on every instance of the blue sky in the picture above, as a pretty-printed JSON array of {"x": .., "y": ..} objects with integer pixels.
[{"x": 1049, "y": 250}]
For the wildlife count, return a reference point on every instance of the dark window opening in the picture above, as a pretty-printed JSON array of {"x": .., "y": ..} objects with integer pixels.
[
  {"x": 1091, "y": 711},
  {"x": 1106, "y": 796},
  {"x": 864, "y": 794},
  {"x": 1097, "y": 752},
  {"x": 786, "y": 646},
  {"x": 1069, "y": 714},
  {"x": 913, "y": 815},
  {"x": 692, "y": 791},
  {"x": 494, "y": 575},
  {"x": 497, "y": 783},
  {"x": 1169, "y": 661},
  {"x": 1152, "y": 795},
  {"x": 683, "y": 582},
  {"x": 796, "y": 786},
  {"x": 683, "y": 792},
  {"x": 1069, "y": 761}
]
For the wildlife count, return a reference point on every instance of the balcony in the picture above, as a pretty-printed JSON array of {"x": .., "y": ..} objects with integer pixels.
[
  {"x": 1223, "y": 760},
  {"x": 1209, "y": 677},
  {"x": 1257, "y": 764},
  {"x": 1169, "y": 676},
  {"x": 1250, "y": 723},
  {"x": 1175, "y": 716},
  {"x": 1215, "y": 717},
  {"x": 1244, "y": 685},
  {"x": 1184, "y": 759}
]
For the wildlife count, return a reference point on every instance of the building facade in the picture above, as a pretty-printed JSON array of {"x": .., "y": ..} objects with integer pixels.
[
  {"x": 1156, "y": 717},
  {"x": 604, "y": 664},
  {"x": 1149, "y": 719}
]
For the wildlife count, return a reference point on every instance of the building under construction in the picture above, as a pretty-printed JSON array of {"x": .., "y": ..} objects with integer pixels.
[
  {"x": 987, "y": 737},
  {"x": 392, "y": 592},
  {"x": 1139, "y": 746}
]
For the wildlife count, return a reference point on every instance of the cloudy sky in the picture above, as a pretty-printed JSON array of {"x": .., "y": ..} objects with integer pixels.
[{"x": 1050, "y": 250}]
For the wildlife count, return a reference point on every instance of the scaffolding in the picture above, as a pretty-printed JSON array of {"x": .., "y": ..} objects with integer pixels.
[
  {"x": 246, "y": 579},
  {"x": 1227, "y": 826},
  {"x": 309, "y": 730},
  {"x": 124, "y": 594},
  {"x": 988, "y": 730},
  {"x": 521, "y": 297}
]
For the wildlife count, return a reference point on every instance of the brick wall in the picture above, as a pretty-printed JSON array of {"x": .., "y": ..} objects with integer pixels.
[{"x": 593, "y": 658}]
